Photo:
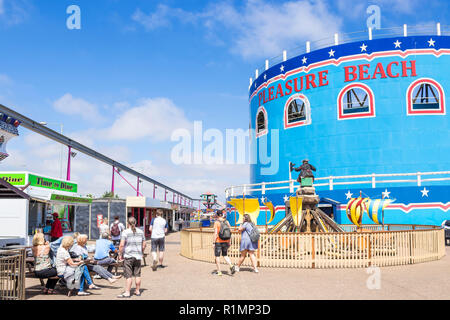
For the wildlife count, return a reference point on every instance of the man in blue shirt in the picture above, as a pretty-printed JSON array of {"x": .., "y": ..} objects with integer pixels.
[{"x": 102, "y": 248}]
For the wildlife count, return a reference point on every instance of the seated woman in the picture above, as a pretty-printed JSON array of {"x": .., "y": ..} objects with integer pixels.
[
  {"x": 65, "y": 266},
  {"x": 42, "y": 263},
  {"x": 80, "y": 249},
  {"x": 103, "y": 247}
]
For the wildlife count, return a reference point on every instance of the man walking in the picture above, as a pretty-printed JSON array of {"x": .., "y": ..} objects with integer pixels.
[
  {"x": 56, "y": 231},
  {"x": 222, "y": 239},
  {"x": 131, "y": 248},
  {"x": 158, "y": 229},
  {"x": 116, "y": 230}
]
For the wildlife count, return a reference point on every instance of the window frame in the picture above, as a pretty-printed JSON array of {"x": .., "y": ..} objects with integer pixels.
[
  {"x": 356, "y": 115},
  {"x": 266, "y": 122},
  {"x": 305, "y": 122},
  {"x": 409, "y": 97}
]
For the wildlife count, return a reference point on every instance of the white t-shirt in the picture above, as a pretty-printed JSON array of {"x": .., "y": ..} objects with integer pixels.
[
  {"x": 62, "y": 255},
  {"x": 133, "y": 243},
  {"x": 102, "y": 229},
  {"x": 158, "y": 226}
]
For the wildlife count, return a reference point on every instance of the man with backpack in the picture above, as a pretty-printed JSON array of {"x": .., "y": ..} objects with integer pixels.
[
  {"x": 222, "y": 239},
  {"x": 116, "y": 230}
]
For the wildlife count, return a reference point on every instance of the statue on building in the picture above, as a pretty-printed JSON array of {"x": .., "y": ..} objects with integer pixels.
[{"x": 305, "y": 169}]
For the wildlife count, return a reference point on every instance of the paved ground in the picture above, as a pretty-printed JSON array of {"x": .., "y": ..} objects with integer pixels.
[{"x": 187, "y": 279}]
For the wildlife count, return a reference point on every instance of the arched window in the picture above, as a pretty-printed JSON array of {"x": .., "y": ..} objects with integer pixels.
[
  {"x": 356, "y": 101},
  {"x": 261, "y": 122},
  {"x": 297, "y": 111},
  {"x": 425, "y": 96}
]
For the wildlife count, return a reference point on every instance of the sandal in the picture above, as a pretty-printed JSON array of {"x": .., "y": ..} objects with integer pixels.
[
  {"x": 138, "y": 294},
  {"x": 83, "y": 293},
  {"x": 123, "y": 296},
  {"x": 51, "y": 291}
]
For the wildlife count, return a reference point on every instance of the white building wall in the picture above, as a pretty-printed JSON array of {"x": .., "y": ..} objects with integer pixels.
[{"x": 14, "y": 218}]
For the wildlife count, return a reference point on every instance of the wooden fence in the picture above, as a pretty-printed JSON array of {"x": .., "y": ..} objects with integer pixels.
[
  {"x": 12, "y": 274},
  {"x": 409, "y": 245}
]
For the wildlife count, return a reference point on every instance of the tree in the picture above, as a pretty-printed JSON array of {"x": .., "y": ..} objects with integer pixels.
[{"x": 109, "y": 194}]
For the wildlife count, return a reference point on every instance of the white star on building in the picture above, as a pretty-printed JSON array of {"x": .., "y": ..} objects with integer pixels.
[
  {"x": 282, "y": 68},
  {"x": 397, "y": 44},
  {"x": 431, "y": 42},
  {"x": 304, "y": 60},
  {"x": 286, "y": 198},
  {"x": 349, "y": 194},
  {"x": 331, "y": 53},
  {"x": 386, "y": 194},
  {"x": 265, "y": 76},
  {"x": 424, "y": 192},
  {"x": 363, "y": 47}
]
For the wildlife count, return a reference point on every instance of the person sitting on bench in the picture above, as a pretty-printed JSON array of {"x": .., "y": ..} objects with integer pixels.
[
  {"x": 103, "y": 247},
  {"x": 80, "y": 249},
  {"x": 43, "y": 267}
]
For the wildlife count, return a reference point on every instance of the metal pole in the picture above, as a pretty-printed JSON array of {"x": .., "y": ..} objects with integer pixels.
[
  {"x": 68, "y": 164},
  {"x": 61, "y": 157},
  {"x": 112, "y": 183},
  {"x": 137, "y": 190}
]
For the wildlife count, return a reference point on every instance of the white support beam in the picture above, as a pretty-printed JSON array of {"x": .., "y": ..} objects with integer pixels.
[{"x": 405, "y": 30}]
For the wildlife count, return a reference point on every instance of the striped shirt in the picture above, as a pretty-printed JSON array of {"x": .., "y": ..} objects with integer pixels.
[{"x": 133, "y": 243}]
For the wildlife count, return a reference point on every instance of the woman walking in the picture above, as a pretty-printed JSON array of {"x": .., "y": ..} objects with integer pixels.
[{"x": 247, "y": 246}]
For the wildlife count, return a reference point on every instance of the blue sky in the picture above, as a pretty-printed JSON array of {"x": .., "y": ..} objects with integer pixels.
[{"x": 137, "y": 70}]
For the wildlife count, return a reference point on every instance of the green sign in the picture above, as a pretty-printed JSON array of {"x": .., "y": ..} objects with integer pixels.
[
  {"x": 16, "y": 179},
  {"x": 47, "y": 183},
  {"x": 59, "y": 197}
]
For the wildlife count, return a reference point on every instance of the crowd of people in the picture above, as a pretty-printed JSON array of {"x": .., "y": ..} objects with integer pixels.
[{"x": 66, "y": 259}]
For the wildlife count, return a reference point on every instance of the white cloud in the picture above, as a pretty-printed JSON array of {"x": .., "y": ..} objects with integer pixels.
[
  {"x": 154, "y": 118},
  {"x": 162, "y": 17},
  {"x": 14, "y": 12},
  {"x": 70, "y": 105},
  {"x": 258, "y": 28}
]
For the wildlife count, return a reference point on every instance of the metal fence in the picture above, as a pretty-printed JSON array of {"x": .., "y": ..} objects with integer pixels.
[
  {"x": 342, "y": 38},
  {"x": 12, "y": 274},
  {"x": 368, "y": 180},
  {"x": 327, "y": 250}
]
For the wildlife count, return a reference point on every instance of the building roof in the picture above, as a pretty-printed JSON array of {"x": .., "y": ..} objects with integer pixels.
[{"x": 8, "y": 191}]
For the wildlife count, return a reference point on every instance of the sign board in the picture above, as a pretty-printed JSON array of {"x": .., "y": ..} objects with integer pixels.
[
  {"x": 47, "y": 183},
  {"x": 70, "y": 199},
  {"x": 23, "y": 178},
  {"x": 16, "y": 179},
  {"x": 99, "y": 220}
]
